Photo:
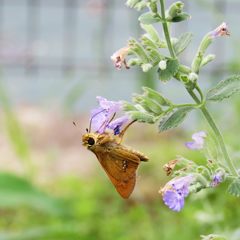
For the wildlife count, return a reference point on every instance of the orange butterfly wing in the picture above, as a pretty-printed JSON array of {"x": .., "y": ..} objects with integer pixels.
[{"x": 120, "y": 164}]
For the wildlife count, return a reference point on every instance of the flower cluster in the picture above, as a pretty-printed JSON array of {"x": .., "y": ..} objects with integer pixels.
[
  {"x": 148, "y": 52},
  {"x": 102, "y": 117},
  {"x": 191, "y": 177}
]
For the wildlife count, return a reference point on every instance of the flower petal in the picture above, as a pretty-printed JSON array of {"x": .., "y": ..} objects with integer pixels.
[
  {"x": 198, "y": 141},
  {"x": 118, "y": 123},
  {"x": 221, "y": 30},
  {"x": 173, "y": 200},
  {"x": 98, "y": 117}
]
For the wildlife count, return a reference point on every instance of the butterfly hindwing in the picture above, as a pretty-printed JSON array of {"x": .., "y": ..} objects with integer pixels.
[{"x": 120, "y": 166}]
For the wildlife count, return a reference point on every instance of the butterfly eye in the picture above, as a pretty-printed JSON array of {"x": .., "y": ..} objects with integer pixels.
[{"x": 91, "y": 141}]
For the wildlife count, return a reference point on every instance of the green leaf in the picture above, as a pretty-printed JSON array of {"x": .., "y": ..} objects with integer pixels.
[
  {"x": 207, "y": 59},
  {"x": 181, "y": 17},
  {"x": 149, "y": 18},
  {"x": 224, "y": 89},
  {"x": 127, "y": 107},
  {"x": 137, "y": 4},
  {"x": 153, "y": 35},
  {"x": 150, "y": 105},
  {"x": 172, "y": 68},
  {"x": 142, "y": 116},
  {"x": 138, "y": 50},
  {"x": 148, "y": 43},
  {"x": 156, "y": 96},
  {"x": 17, "y": 192},
  {"x": 174, "y": 119},
  {"x": 234, "y": 188},
  {"x": 183, "y": 42}
]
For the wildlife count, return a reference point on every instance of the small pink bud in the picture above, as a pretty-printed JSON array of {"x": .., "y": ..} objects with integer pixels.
[
  {"x": 119, "y": 58},
  {"x": 221, "y": 30}
]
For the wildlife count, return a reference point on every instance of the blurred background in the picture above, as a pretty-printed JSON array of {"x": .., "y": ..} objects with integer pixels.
[{"x": 54, "y": 61}]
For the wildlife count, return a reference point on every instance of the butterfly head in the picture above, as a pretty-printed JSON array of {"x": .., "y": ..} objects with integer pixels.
[{"x": 89, "y": 139}]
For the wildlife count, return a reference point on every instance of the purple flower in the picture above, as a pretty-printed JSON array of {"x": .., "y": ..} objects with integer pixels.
[
  {"x": 217, "y": 179},
  {"x": 175, "y": 191},
  {"x": 221, "y": 30},
  {"x": 101, "y": 117},
  {"x": 117, "y": 124},
  {"x": 198, "y": 141},
  {"x": 109, "y": 106},
  {"x": 103, "y": 114}
]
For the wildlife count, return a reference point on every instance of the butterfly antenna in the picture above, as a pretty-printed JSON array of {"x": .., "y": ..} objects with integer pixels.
[{"x": 90, "y": 123}]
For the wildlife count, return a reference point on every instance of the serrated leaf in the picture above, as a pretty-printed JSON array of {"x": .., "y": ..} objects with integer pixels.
[
  {"x": 156, "y": 96},
  {"x": 174, "y": 119},
  {"x": 234, "y": 188},
  {"x": 224, "y": 89},
  {"x": 183, "y": 42},
  {"x": 142, "y": 116},
  {"x": 172, "y": 68},
  {"x": 149, "y": 18}
]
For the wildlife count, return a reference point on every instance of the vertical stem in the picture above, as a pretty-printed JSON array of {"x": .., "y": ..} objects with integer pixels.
[
  {"x": 217, "y": 133},
  {"x": 166, "y": 31}
]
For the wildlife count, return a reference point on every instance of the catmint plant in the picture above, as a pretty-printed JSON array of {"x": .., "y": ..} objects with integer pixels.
[{"x": 151, "y": 51}]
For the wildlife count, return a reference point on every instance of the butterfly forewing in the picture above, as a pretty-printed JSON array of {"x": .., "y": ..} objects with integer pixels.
[{"x": 120, "y": 165}]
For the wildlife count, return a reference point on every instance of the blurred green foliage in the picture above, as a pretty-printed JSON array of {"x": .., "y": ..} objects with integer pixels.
[{"x": 89, "y": 208}]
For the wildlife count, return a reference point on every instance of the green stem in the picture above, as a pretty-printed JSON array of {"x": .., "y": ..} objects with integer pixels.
[
  {"x": 217, "y": 133},
  {"x": 205, "y": 112},
  {"x": 165, "y": 29},
  {"x": 186, "y": 105}
]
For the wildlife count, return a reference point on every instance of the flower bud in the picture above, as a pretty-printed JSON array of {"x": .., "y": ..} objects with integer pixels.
[
  {"x": 153, "y": 6},
  {"x": 193, "y": 77},
  {"x": 162, "y": 64},
  {"x": 175, "y": 9},
  {"x": 221, "y": 30},
  {"x": 146, "y": 67}
]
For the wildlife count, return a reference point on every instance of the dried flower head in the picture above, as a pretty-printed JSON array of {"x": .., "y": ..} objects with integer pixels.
[{"x": 168, "y": 167}]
